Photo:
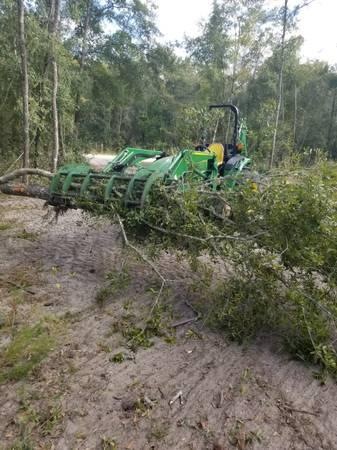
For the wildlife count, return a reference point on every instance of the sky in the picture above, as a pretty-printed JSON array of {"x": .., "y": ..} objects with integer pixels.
[{"x": 317, "y": 24}]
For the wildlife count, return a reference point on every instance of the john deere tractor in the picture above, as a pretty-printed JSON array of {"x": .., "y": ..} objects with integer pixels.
[{"x": 130, "y": 176}]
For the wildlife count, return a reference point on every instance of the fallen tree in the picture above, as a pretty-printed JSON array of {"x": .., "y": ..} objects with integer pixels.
[
  {"x": 23, "y": 172},
  {"x": 32, "y": 190},
  {"x": 23, "y": 190},
  {"x": 280, "y": 245}
]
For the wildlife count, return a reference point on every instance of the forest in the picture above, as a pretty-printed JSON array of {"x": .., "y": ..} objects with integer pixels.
[
  {"x": 181, "y": 296},
  {"x": 94, "y": 75}
]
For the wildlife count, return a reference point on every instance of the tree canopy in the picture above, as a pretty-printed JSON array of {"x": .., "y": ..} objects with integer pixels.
[{"x": 118, "y": 85}]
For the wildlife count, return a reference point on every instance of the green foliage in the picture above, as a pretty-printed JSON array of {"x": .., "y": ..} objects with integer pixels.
[
  {"x": 103, "y": 295},
  {"x": 26, "y": 235},
  {"x": 5, "y": 226},
  {"x": 298, "y": 213},
  {"x": 117, "y": 281},
  {"x": 301, "y": 315},
  {"x": 239, "y": 437},
  {"x": 29, "y": 346},
  {"x": 117, "y": 358},
  {"x": 119, "y": 86},
  {"x": 140, "y": 335},
  {"x": 23, "y": 444},
  {"x": 108, "y": 443},
  {"x": 278, "y": 243},
  {"x": 33, "y": 416}
]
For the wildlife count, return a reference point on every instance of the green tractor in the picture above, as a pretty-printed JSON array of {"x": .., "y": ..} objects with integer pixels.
[{"x": 130, "y": 176}]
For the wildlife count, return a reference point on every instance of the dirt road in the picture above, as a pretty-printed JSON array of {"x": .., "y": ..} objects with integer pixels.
[{"x": 88, "y": 390}]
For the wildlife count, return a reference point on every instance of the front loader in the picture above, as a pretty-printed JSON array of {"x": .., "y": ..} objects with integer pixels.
[{"x": 130, "y": 176}]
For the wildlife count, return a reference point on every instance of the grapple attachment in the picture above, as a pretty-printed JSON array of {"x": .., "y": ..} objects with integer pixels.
[
  {"x": 80, "y": 181},
  {"x": 129, "y": 176}
]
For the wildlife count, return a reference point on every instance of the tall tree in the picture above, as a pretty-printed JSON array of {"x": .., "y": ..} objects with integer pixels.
[
  {"x": 84, "y": 32},
  {"x": 106, "y": 81},
  {"x": 54, "y": 35},
  {"x": 332, "y": 119},
  {"x": 280, "y": 81},
  {"x": 25, "y": 82},
  {"x": 130, "y": 18}
]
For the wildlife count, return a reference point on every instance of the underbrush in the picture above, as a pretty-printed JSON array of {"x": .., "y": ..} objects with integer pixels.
[{"x": 300, "y": 313}]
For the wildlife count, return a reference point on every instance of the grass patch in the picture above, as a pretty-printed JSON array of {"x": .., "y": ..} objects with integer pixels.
[
  {"x": 26, "y": 235},
  {"x": 23, "y": 443},
  {"x": 159, "y": 431},
  {"x": 20, "y": 278},
  {"x": 140, "y": 334},
  {"x": 29, "y": 347},
  {"x": 118, "y": 358},
  {"x": 241, "y": 438},
  {"x": 36, "y": 417},
  {"x": 17, "y": 284},
  {"x": 50, "y": 418},
  {"x": 108, "y": 443},
  {"x": 117, "y": 281},
  {"x": 4, "y": 226},
  {"x": 103, "y": 347},
  {"x": 103, "y": 295}
]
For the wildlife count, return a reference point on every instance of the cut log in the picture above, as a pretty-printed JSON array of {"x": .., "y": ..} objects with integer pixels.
[{"x": 33, "y": 190}]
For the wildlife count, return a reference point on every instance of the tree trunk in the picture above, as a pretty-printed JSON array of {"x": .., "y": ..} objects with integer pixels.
[
  {"x": 332, "y": 115},
  {"x": 280, "y": 83},
  {"x": 54, "y": 33},
  {"x": 51, "y": 17},
  {"x": 295, "y": 115},
  {"x": 56, "y": 142},
  {"x": 62, "y": 144},
  {"x": 234, "y": 74},
  {"x": 25, "y": 84},
  {"x": 84, "y": 51},
  {"x": 41, "y": 102},
  {"x": 23, "y": 190}
]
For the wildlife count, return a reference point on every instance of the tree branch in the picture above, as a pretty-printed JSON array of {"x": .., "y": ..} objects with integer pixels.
[
  {"x": 22, "y": 172},
  {"x": 145, "y": 259},
  {"x": 205, "y": 239}
]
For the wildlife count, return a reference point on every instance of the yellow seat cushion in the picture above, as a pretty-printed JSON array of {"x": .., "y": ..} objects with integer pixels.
[{"x": 218, "y": 150}]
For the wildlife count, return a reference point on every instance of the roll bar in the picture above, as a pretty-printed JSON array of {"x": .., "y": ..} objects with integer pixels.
[{"x": 236, "y": 113}]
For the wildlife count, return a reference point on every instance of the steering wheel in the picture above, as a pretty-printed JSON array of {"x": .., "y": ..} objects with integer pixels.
[{"x": 201, "y": 148}]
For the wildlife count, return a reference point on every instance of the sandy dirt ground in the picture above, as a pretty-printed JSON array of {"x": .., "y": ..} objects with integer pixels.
[{"x": 80, "y": 397}]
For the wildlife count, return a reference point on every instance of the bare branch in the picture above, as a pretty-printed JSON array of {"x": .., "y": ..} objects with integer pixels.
[
  {"x": 206, "y": 239},
  {"x": 145, "y": 259},
  {"x": 186, "y": 321},
  {"x": 303, "y": 5},
  {"x": 22, "y": 172}
]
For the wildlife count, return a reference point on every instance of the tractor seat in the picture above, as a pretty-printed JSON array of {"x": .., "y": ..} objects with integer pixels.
[
  {"x": 218, "y": 150},
  {"x": 233, "y": 162}
]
